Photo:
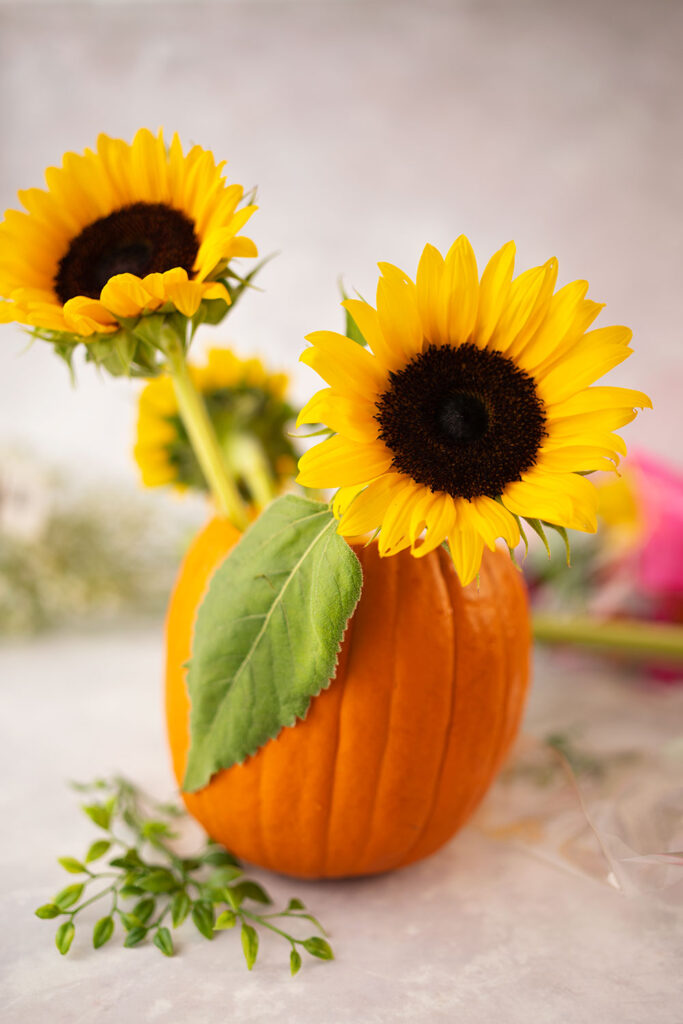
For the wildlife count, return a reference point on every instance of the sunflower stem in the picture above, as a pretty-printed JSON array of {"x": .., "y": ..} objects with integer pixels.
[
  {"x": 203, "y": 436},
  {"x": 247, "y": 459},
  {"x": 637, "y": 639}
]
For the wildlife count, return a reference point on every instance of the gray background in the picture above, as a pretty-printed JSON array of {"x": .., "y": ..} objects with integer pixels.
[{"x": 370, "y": 128}]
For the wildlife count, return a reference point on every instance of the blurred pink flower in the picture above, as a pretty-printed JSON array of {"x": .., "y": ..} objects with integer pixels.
[{"x": 659, "y": 553}]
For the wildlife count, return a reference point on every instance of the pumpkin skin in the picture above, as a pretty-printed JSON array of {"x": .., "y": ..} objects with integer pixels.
[{"x": 396, "y": 754}]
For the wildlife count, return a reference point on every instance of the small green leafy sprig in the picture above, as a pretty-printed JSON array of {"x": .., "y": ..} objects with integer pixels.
[{"x": 147, "y": 884}]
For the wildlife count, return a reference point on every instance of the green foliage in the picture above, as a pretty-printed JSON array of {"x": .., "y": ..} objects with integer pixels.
[
  {"x": 47, "y": 911},
  {"x": 537, "y": 526},
  {"x": 65, "y": 936},
  {"x": 163, "y": 941},
  {"x": 73, "y": 866},
  {"x": 249, "y": 944},
  {"x": 318, "y": 947},
  {"x": 87, "y": 564},
  {"x": 97, "y": 850},
  {"x": 202, "y": 918},
  {"x": 103, "y": 931},
  {"x": 210, "y": 888},
  {"x": 282, "y": 598}
]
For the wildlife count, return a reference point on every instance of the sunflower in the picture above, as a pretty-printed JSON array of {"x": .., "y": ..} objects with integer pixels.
[
  {"x": 469, "y": 410},
  {"x": 119, "y": 233},
  {"x": 249, "y": 412}
]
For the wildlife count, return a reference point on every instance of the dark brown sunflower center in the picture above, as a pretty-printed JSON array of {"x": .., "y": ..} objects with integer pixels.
[
  {"x": 462, "y": 420},
  {"x": 144, "y": 238}
]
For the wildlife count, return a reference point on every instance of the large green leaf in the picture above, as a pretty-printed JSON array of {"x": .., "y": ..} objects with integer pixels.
[{"x": 268, "y": 633}]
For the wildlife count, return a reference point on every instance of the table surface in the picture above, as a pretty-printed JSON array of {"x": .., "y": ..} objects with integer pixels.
[{"x": 482, "y": 930}]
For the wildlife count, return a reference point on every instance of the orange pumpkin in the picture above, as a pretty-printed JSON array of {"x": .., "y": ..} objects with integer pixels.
[{"x": 395, "y": 755}]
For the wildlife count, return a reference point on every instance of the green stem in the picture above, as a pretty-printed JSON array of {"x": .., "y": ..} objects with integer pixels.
[
  {"x": 635, "y": 638},
  {"x": 93, "y": 899},
  {"x": 247, "y": 459},
  {"x": 203, "y": 437},
  {"x": 259, "y": 919}
]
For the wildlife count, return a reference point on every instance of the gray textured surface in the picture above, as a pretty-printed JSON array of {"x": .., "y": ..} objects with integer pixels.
[{"x": 478, "y": 932}]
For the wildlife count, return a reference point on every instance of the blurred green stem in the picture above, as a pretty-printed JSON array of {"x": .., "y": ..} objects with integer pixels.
[
  {"x": 247, "y": 460},
  {"x": 203, "y": 436},
  {"x": 626, "y": 636}
]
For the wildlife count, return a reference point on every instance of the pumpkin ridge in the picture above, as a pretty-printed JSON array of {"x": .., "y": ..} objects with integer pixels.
[
  {"x": 502, "y": 689},
  {"x": 438, "y": 573},
  {"x": 259, "y": 812},
  {"x": 502, "y": 632},
  {"x": 396, "y": 566},
  {"x": 519, "y": 680},
  {"x": 348, "y": 643}
]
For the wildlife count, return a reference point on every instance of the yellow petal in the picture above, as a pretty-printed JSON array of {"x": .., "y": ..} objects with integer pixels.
[
  {"x": 491, "y": 520},
  {"x": 605, "y": 420},
  {"x": 439, "y": 518},
  {"x": 398, "y": 315},
  {"x": 185, "y": 296},
  {"x": 215, "y": 290},
  {"x": 395, "y": 533},
  {"x": 240, "y": 247},
  {"x": 586, "y": 364},
  {"x": 346, "y": 366},
  {"x": 466, "y": 547},
  {"x": 87, "y": 316},
  {"x": 528, "y": 297},
  {"x": 344, "y": 497},
  {"x": 560, "y": 319},
  {"x": 577, "y": 459},
  {"x": 564, "y": 499},
  {"x": 367, "y": 321},
  {"x": 428, "y": 284},
  {"x": 458, "y": 293},
  {"x": 590, "y": 435},
  {"x": 366, "y": 512},
  {"x": 352, "y": 417},
  {"x": 596, "y": 399},
  {"x": 338, "y": 462},
  {"x": 493, "y": 293},
  {"x": 125, "y": 295}
]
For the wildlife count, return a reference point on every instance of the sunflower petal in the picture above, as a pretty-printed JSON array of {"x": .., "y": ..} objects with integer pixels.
[
  {"x": 494, "y": 289},
  {"x": 458, "y": 293},
  {"x": 466, "y": 549},
  {"x": 398, "y": 316},
  {"x": 395, "y": 533},
  {"x": 346, "y": 366},
  {"x": 562, "y": 313},
  {"x": 338, "y": 462},
  {"x": 366, "y": 511},
  {"x": 439, "y": 518},
  {"x": 577, "y": 459},
  {"x": 585, "y": 365},
  {"x": 491, "y": 520},
  {"x": 428, "y": 283},
  {"x": 125, "y": 295},
  {"x": 344, "y": 497},
  {"x": 352, "y": 417},
  {"x": 367, "y": 321},
  {"x": 566, "y": 499},
  {"x": 594, "y": 399},
  {"x": 527, "y": 300}
]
